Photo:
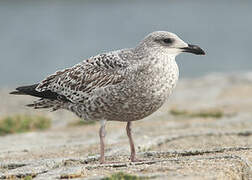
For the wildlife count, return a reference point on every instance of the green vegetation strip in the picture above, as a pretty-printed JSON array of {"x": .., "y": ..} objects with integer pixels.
[
  {"x": 81, "y": 122},
  {"x": 123, "y": 176},
  {"x": 23, "y": 123},
  {"x": 203, "y": 114},
  {"x": 28, "y": 178}
]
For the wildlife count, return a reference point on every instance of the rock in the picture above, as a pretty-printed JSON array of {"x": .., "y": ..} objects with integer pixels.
[{"x": 173, "y": 146}]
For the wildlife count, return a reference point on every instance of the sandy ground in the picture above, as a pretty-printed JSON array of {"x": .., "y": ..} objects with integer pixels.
[{"x": 172, "y": 147}]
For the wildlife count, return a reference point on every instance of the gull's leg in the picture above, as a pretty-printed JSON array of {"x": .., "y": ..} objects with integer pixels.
[
  {"x": 132, "y": 147},
  {"x": 102, "y": 134}
]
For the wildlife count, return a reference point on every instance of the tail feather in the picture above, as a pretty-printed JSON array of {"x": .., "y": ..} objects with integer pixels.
[
  {"x": 49, "y": 99},
  {"x": 22, "y": 90},
  {"x": 31, "y": 90},
  {"x": 17, "y": 93},
  {"x": 45, "y": 103}
]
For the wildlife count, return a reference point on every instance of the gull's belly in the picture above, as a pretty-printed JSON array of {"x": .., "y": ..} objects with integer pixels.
[
  {"x": 127, "y": 103},
  {"x": 150, "y": 95}
]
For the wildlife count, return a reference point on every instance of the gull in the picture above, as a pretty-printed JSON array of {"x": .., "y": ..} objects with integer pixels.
[{"x": 124, "y": 85}]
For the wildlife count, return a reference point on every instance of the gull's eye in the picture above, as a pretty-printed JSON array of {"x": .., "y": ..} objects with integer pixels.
[{"x": 168, "y": 40}]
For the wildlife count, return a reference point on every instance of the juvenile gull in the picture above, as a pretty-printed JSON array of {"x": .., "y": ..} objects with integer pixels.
[{"x": 124, "y": 85}]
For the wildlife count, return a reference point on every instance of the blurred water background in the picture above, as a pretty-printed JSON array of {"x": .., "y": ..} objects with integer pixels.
[{"x": 39, "y": 37}]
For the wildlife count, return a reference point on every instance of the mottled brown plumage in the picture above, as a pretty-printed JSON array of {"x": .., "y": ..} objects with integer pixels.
[{"x": 124, "y": 85}]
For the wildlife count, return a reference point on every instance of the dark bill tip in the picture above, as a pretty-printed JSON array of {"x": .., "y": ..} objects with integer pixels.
[{"x": 193, "y": 49}]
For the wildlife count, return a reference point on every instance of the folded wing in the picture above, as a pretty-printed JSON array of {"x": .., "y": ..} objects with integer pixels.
[{"x": 77, "y": 82}]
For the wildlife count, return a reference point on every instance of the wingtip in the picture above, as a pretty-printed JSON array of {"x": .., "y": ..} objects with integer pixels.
[
  {"x": 30, "y": 105},
  {"x": 15, "y": 92}
]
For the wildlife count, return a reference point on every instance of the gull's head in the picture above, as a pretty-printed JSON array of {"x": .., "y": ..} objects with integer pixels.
[{"x": 169, "y": 43}]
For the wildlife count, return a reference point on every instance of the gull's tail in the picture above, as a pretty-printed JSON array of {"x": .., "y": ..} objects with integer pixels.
[
  {"x": 48, "y": 99},
  {"x": 31, "y": 90},
  {"x": 27, "y": 90}
]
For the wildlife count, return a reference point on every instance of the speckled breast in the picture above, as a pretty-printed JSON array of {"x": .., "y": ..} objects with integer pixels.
[{"x": 143, "y": 93}]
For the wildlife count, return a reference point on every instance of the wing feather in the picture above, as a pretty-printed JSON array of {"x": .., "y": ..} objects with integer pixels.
[{"x": 76, "y": 82}]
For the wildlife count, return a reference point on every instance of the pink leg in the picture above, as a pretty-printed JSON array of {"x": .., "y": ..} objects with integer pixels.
[
  {"x": 102, "y": 134},
  {"x": 132, "y": 147}
]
